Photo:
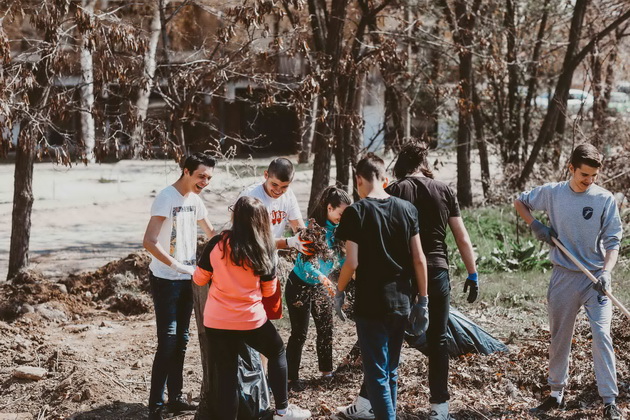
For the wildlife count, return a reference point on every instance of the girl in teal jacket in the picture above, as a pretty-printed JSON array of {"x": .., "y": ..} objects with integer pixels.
[{"x": 308, "y": 290}]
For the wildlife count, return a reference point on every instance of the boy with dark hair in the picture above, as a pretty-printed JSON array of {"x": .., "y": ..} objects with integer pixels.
[
  {"x": 586, "y": 220},
  {"x": 383, "y": 247},
  {"x": 438, "y": 211},
  {"x": 171, "y": 238},
  {"x": 281, "y": 203}
]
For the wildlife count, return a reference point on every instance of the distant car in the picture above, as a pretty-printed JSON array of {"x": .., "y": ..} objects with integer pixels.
[
  {"x": 578, "y": 99},
  {"x": 619, "y": 103}
]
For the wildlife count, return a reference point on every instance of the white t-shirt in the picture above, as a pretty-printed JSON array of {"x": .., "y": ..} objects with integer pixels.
[
  {"x": 178, "y": 236},
  {"x": 281, "y": 209}
]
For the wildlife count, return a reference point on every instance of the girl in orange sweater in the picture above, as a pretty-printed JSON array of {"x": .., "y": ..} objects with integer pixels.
[{"x": 240, "y": 264}]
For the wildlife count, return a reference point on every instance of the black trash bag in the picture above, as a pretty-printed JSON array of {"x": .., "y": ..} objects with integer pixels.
[
  {"x": 253, "y": 390},
  {"x": 464, "y": 336}
]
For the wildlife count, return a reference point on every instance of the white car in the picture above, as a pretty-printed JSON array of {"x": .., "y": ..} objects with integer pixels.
[{"x": 578, "y": 99}]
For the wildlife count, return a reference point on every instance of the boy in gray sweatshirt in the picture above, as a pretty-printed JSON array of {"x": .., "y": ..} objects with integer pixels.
[{"x": 585, "y": 218}]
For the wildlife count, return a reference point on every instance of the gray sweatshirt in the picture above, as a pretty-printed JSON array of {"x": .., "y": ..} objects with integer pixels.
[{"x": 588, "y": 223}]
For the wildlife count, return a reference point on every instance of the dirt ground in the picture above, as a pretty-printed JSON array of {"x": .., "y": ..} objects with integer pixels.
[{"x": 89, "y": 324}]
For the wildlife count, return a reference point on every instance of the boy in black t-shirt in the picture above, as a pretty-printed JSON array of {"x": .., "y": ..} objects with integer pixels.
[
  {"x": 383, "y": 247},
  {"x": 438, "y": 210}
]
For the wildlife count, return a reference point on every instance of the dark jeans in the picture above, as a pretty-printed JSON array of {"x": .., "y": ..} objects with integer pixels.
[
  {"x": 381, "y": 343},
  {"x": 437, "y": 337},
  {"x": 224, "y": 346},
  {"x": 173, "y": 303},
  {"x": 302, "y": 301}
]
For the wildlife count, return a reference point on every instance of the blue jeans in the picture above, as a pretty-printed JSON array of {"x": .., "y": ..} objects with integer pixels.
[
  {"x": 381, "y": 342},
  {"x": 173, "y": 303}
]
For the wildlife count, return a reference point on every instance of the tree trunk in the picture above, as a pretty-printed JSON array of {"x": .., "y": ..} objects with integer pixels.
[
  {"x": 22, "y": 203},
  {"x": 466, "y": 25},
  {"x": 150, "y": 64},
  {"x": 547, "y": 130},
  {"x": 330, "y": 106},
  {"x": 513, "y": 130},
  {"x": 88, "y": 134},
  {"x": 482, "y": 147},
  {"x": 308, "y": 132},
  {"x": 205, "y": 409}
]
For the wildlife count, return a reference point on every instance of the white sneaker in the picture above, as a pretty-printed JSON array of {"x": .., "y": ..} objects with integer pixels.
[
  {"x": 293, "y": 413},
  {"x": 361, "y": 408},
  {"x": 439, "y": 412}
]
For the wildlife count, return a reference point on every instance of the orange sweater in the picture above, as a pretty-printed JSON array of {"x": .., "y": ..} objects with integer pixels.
[{"x": 235, "y": 295}]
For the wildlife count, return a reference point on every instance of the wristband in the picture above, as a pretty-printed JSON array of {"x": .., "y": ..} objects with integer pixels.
[{"x": 286, "y": 242}]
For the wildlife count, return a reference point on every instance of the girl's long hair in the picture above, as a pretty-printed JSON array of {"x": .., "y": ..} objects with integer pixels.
[
  {"x": 333, "y": 196},
  {"x": 250, "y": 238},
  {"x": 411, "y": 159}
]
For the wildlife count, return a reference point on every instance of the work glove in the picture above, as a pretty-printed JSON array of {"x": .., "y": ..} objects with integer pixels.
[
  {"x": 305, "y": 247},
  {"x": 472, "y": 282},
  {"x": 183, "y": 269},
  {"x": 603, "y": 283},
  {"x": 542, "y": 232},
  {"x": 419, "y": 316},
  {"x": 340, "y": 299}
]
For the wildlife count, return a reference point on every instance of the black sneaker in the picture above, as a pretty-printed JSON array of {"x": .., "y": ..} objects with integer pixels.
[
  {"x": 156, "y": 412},
  {"x": 297, "y": 386},
  {"x": 612, "y": 412},
  {"x": 551, "y": 403},
  {"x": 180, "y": 404}
]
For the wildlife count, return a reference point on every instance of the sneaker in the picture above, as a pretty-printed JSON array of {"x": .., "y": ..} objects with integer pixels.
[
  {"x": 439, "y": 412},
  {"x": 293, "y": 413},
  {"x": 180, "y": 404},
  {"x": 551, "y": 403},
  {"x": 361, "y": 408},
  {"x": 612, "y": 412},
  {"x": 297, "y": 386},
  {"x": 156, "y": 412}
]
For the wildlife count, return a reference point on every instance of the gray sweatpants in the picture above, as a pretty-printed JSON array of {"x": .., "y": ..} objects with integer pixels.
[{"x": 568, "y": 292}]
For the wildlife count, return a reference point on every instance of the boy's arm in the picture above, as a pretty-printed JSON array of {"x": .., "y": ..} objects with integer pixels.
[
  {"x": 419, "y": 264},
  {"x": 350, "y": 265},
  {"x": 150, "y": 241},
  {"x": 523, "y": 211},
  {"x": 207, "y": 227},
  {"x": 462, "y": 239},
  {"x": 296, "y": 224},
  {"x": 610, "y": 259}
]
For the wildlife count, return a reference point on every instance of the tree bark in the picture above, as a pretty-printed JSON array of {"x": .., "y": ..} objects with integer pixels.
[
  {"x": 308, "y": 132},
  {"x": 88, "y": 133},
  {"x": 513, "y": 129},
  {"x": 482, "y": 147},
  {"x": 205, "y": 408},
  {"x": 150, "y": 65}
]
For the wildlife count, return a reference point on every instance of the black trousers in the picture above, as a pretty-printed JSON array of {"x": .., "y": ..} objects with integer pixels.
[
  {"x": 224, "y": 345},
  {"x": 439, "y": 286},
  {"x": 303, "y": 301}
]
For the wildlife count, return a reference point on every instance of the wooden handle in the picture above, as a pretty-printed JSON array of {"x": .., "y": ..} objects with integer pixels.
[{"x": 590, "y": 276}]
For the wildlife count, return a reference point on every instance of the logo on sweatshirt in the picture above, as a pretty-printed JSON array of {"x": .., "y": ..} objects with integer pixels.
[{"x": 587, "y": 212}]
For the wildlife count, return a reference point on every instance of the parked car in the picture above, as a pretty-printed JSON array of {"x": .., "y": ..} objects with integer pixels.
[
  {"x": 578, "y": 99},
  {"x": 619, "y": 103}
]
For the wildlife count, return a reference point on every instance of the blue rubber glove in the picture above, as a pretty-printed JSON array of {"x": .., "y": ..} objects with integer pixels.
[
  {"x": 603, "y": 283},
  {"x": 472, "y": 282},
  {"x": 339, "y": 300},
  {"x": 419, "y": 316},
  {"x": 542, "y": 232}
]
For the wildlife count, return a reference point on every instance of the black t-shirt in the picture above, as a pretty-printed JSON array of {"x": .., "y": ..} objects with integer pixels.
[
  {"x": 435, "y": 202},
  {"x": 382, "y": 228}
]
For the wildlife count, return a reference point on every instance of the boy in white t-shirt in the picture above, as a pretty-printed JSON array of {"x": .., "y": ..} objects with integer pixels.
[
  {"x": 171, "y": 238},
  {"x": 281, "y": 203}
]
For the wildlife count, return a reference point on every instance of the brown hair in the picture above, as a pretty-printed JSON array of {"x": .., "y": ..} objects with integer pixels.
[
  {"x": 411, "y": 159},
  {"x": 250, "y": 238},
  {"x": 586, "y": 154},
  {"x": 371, "y": 168}
]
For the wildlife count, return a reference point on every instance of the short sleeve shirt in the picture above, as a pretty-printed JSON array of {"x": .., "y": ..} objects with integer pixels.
[
  {"x": 281, "y": 209},
  {"x": 178, "y": 235},
  {"x": 436, "y": 203},
  {"x": 382, "y": 228}
]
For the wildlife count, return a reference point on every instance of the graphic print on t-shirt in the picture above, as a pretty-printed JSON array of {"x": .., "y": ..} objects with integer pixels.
[
  {"x": 183, "y": 220},
  {"x": 277, "y": 216}
]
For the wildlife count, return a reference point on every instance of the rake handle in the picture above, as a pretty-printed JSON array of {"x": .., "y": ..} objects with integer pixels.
[{"x": 590, "y": 276}]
